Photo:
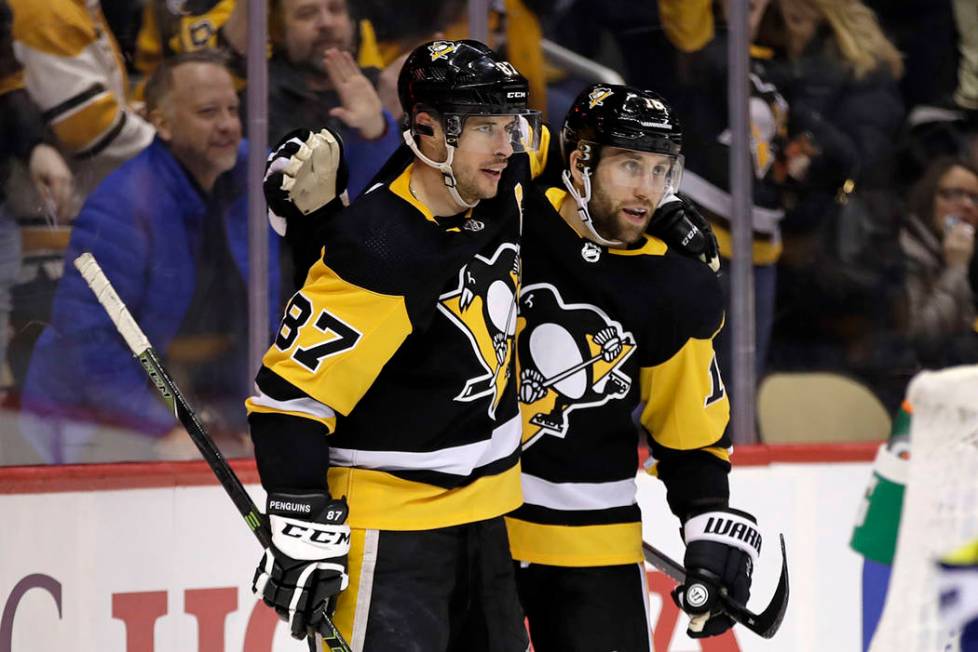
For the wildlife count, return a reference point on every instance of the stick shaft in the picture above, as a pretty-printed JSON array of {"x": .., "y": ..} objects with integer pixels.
[{"x": 153, "y": 366}]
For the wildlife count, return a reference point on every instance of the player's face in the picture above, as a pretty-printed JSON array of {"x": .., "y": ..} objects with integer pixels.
[
  {"x": 481, "y": 155},
  {"x": 626, "y": 190},
  {"x": 314, "y": 26},
  {"x": 200, "y": 120}
]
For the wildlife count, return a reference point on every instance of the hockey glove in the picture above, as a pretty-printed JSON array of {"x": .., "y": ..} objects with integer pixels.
[
  {"x": 306, "y": 565},
  {"x": 305, "y": 172},
  {"x": 677, "y": 223},
  {"x": 721, "y": 549}
]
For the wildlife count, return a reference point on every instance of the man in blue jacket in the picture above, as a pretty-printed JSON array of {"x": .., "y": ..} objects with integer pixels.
[{"x": 169, "y": 227}]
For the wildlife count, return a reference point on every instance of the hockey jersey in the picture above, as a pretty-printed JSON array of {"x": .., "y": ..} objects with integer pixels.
[
  {"x": 401, "y": 345},
  {"x": 601, "y": 331},
  {"x": 75, "y": 74}
]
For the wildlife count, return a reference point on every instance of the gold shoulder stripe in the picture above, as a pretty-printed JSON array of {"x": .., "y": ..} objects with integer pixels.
[
  {"x": 651, "y": 247},
  {"x": 401, "y": 186},
  {"x": 556, "y": 197}
]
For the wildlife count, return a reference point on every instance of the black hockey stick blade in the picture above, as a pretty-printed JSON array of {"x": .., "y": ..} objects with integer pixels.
[
  {"x": 764, "y": 624},
  {"x": 153, "y": 366}
]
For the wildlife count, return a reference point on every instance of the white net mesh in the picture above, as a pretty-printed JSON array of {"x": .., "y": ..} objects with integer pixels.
[{"x": 940, "y": 509}]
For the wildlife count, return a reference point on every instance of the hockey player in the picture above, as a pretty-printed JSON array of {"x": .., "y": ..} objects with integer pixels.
[
  {"x": 394, "y": 369},
  {"x": 611, "y": 319}
]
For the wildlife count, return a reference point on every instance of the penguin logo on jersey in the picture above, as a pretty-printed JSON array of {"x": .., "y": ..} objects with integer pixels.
[
  {"x": 570, "y": 359},
  {"x": 483, "y": 306},
  {"x": 440, "y": 49},
  {"x": 598, "y": 96}
]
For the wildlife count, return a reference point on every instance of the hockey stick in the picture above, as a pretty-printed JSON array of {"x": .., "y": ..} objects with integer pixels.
[
  {"x": 764, "y": 624},
  {"x": 151, "y": 363}
]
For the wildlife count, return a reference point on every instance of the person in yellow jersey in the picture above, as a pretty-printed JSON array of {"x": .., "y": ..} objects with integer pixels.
[
  {"x": 74, "y": 72},
  {"x": 615, "y": 326},
  {"x": 385, "y": 422}
]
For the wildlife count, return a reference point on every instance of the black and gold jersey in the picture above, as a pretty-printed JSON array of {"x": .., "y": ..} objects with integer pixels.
[
  {"x": 401, "y": 345},
  {"x": 607, "y": 337}
]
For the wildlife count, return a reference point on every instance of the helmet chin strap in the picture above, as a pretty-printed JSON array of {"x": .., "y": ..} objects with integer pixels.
[
  {"x": 582, "y": 210},
  {"x": 447, "y": 174}
]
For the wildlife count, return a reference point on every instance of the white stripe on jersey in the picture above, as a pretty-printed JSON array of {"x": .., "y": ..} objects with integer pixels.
[
  {"x": 456, "y": 460},
  {"x": 308, "y": 406},
  {"x": 571, "y": 496}
]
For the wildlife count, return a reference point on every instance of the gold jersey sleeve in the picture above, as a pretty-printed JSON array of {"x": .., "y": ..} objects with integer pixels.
[
  {"x": 335, "y": 339},
  {"x": 685, "y": 402}
]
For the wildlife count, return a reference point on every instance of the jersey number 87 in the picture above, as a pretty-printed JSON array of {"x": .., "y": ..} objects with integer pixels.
[{"x": 297, "y": 315}]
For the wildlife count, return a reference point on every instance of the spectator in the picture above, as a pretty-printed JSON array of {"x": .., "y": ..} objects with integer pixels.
[
  {"x": 314, "y": 80},
  {"x": 839, "y": 74},
  {"x": 938, "y": 241},
  {"x": 74, "y": 72},
  {"x": 169, "y": 228},
  {"x": 23, "y": 139},
  {"x": 702, "y": 105},
  {"x": 305, "y": 87}
]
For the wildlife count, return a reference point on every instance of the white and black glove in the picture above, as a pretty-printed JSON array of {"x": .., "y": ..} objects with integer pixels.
[
  {"x": 677, "y": 223},
  {"x": 306, "y": 565},
  {"x": 305, "y": 172},
  {"x": 722, "y": 548}
]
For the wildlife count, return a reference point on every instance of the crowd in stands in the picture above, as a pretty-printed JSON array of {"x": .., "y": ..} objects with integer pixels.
[{"x": 121, "y": 133}]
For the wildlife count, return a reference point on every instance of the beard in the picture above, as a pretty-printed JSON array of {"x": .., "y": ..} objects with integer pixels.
[
  {"x": 609, "y": 221},
  {"x": 473, "y": 185}
]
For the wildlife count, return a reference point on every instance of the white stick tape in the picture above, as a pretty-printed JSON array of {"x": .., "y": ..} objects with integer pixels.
[{"x": 113, "y": 305}]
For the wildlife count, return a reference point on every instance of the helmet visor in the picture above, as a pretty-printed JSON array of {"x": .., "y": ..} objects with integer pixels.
[
  {"x": 500, "y": 133},
  {"x": 632, "y": 170}
]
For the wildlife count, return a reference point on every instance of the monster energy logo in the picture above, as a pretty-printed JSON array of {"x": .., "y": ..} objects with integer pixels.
[{"x": 251, "y": 518}]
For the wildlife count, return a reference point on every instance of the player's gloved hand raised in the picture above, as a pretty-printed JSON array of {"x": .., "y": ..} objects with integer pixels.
[
  {"x": 677, "y": 223},
  {"x": 306, "y": 565},
  {"x": 305, "y": 172},
  {"x": 722, "y": 547}
]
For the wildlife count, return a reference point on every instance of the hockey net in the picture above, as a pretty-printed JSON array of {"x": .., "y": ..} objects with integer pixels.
[{"x": 940, "y": 509}]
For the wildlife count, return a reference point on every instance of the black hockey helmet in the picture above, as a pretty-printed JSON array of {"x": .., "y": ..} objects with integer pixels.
[
  {"x": 460, "y": 78},
  {"x": 619, "y": 116},
  {"x": 608, "y": 115}
]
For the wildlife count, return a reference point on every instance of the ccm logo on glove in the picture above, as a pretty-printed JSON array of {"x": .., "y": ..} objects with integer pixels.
[{"x": 313, "y": 535}]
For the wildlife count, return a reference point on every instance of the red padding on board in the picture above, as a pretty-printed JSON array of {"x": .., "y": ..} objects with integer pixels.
[
  {"x": 152, "y": 475},
  {"x": 123, "y": 475}
]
